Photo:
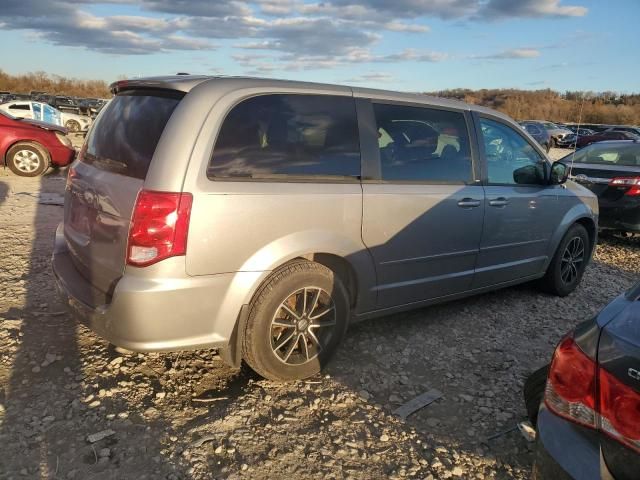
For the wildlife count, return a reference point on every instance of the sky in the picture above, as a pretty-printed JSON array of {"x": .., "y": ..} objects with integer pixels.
[{"x": 407, "y": 45}]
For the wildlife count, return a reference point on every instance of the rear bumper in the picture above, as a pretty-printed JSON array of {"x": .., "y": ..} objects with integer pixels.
[
  {"x": 158, "y": 308},
  {"x": 61, "y": 155},
  {"x": 621, "y": 215},
  {"x": 566, "y": 451}
]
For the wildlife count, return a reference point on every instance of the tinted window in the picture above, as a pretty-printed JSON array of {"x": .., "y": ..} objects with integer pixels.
[
  {"x": 19, "y": 107},
  {"x": 507, "y": 152},
  {"x": 125, "y": 135},
  {"x": 288, "y": 135},
  {"x": 422, "y": 144},
  {"x": 628, "y": 155},
  {"x": 533, "y": 129}
]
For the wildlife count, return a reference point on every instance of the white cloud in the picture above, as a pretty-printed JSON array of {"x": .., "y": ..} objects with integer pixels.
[
  {"x": 513, "y": 53},
  {"x": 292, "y": 34},
  {"x": 380, "y": 77}
]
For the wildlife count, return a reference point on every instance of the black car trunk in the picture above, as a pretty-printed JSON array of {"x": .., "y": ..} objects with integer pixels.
[
  {"x": 619, "y": 356},
  {"x": 597, "y": 177}
]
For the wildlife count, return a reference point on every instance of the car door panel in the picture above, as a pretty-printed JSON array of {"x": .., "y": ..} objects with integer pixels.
[
  {"x": 516, "y": 233},
  {"x": 519, "y": 218},
  {"x": 423, "y": 242}
]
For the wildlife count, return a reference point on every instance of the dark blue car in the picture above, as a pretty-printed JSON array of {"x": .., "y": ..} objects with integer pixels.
[
  {"x": 588, "y": 420},
  {"x": 538, "y": 132}
]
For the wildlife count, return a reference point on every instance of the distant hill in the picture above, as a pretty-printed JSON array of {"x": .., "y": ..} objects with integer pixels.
[
  {"x": 604, "y": 107},
  {"x": 53, "y": 84}
]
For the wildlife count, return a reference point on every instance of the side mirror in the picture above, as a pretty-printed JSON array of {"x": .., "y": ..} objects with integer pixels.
[
  {"x": 530, "y": 175},
  {"x": 559, "y": 173}
]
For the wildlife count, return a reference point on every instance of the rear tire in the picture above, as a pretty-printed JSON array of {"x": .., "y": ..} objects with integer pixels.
[
  {"x": 72, "y": 126},
  {"x": 27, "y": 159},
  {"x": 568, "y": 263},
  {"x": 534, "y": 392},
  {"x": 552, "y": 143},
  {"x": 296, "y": 321}
]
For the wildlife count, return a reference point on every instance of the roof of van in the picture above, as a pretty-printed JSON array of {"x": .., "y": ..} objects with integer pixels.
[{"x": 185, "y": 83}]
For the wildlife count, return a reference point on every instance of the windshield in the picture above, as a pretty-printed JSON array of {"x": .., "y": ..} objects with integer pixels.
[{"x": 603, "y": 154}]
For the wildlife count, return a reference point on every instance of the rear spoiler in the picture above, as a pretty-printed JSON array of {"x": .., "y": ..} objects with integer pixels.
[{"x": 180, "y": 83}]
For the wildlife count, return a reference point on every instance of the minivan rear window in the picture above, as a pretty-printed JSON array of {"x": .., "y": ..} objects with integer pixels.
[
  {"x": 126, "y": 133},
  {"x": 287, "y": 136}
]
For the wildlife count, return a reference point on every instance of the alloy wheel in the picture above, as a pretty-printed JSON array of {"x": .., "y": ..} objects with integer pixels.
[
  {"x": 303, "y": 326},
  {"x": 572, "y": 260}
]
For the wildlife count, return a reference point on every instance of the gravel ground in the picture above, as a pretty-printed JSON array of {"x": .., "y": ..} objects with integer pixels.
[{"x": 187, "y": 415}]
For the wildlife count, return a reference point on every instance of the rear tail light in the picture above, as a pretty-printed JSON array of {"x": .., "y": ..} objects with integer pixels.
[
  {"x": 63, "y": 139},
  {"x": 71, "y": 174},
  {"x": 619, "y": 410},
  {"x": 632, "y": 183},
  {"x": 159, "y": 227},
  {"x": 571, "y": 386},
  {"x": 608, "y": 404}
]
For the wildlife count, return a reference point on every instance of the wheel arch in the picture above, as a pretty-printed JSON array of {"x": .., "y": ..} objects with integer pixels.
[
  {"x": 577, "y": 215},
  {"x": 343, "y": 268},
  {"x": 592, "y": 230}
]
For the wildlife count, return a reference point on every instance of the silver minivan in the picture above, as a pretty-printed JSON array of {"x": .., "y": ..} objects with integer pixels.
[{"x": 262, "y": 217}]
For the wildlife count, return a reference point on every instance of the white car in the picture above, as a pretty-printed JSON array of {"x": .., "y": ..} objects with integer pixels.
[{"x": 46, "y": 113}]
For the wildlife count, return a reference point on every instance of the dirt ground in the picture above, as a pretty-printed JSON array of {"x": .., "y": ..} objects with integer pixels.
[{"x": 186, "y": 415}]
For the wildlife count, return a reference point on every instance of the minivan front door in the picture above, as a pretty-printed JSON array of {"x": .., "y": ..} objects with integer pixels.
[
  {"x": 521, "y": 212},
  {"x": 422, "y": 218}
]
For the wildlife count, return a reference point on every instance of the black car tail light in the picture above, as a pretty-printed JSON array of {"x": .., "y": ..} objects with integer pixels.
[
  {"x": 619, "y": 410},
  {"x": 582, "y": 392},
  {"x": 571, "y": 385},
  {"x": 632, "y": 184}
]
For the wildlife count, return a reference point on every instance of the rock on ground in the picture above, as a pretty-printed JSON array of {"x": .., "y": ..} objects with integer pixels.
[{"x": 59, "y": 383}]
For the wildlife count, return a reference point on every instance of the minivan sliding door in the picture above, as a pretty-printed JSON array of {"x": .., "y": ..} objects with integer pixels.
[{"x": 423, "y": 214}]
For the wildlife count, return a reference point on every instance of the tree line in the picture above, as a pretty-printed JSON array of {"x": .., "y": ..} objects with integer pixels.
[
  {"x": 53, "y": 84},
  {"x": 570, "y": 106}
]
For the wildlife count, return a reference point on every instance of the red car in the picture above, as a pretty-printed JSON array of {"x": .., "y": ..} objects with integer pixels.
[
  {"x": 606, "y": 135},
  {"x": 29, "y": 147}
]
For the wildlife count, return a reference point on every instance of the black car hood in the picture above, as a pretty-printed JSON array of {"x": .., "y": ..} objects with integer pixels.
[{"x": 45, "y": 125}]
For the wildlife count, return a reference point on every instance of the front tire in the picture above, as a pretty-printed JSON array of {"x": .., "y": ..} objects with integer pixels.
[
  {"x": 568, "y": 263},
  {"x": 296, "y": 321},
  {"x": 27, "y": 159}
]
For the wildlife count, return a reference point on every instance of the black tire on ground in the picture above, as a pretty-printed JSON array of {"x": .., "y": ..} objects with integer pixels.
[
  {"x": 552, "y": 143},
  {"x": 27, "y": 159},
  {"x": 533, "y": 391},
  {"x": 261, "y": 338},
  {"x": 554, "y": 281},
  {"x": 72, "y": 126},
  {"x": 547, "y": 146}
]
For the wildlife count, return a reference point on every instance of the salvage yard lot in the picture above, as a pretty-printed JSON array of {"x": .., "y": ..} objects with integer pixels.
[{"x": 186, "y": 415}]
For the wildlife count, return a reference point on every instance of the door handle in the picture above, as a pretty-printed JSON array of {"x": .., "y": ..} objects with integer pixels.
[
  {"x": 468, "y": 203},
  {"x": 499, "y": 202}
]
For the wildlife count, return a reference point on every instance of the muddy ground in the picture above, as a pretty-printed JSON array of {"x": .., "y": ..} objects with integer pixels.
[{"x": 186, "y": 415}]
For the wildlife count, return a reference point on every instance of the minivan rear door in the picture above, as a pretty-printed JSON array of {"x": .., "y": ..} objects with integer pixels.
[
  {"x": 423, "y": 208},
  {"x": 104, "y": 183}
]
